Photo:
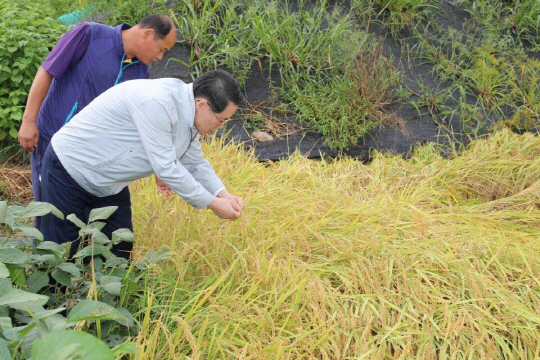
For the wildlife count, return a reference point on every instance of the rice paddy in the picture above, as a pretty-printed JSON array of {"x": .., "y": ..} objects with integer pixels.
[{"x": 419, "y": 258}]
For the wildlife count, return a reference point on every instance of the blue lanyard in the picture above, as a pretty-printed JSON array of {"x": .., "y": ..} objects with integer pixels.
[{"x": 123, "y": 67}]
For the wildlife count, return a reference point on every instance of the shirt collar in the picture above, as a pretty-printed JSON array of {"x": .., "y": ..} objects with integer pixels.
[{"x": 192, "y": 104}]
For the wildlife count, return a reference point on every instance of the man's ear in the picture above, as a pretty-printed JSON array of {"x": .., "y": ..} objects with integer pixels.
[
  {"x": 148, "y": 33},
  {"x": 200, "y": 103}
]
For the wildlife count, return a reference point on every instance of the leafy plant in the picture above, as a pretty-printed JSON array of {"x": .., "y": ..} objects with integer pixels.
[
  {"x": 350, "y": 100},
  {"x": 43, "y": 292},
  {"x": 317, "y": 51},
  {"x": 27, "y": 34},
  {"x": 396, "y": 14}
]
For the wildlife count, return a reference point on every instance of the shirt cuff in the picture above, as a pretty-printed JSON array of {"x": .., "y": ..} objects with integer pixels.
[{"x": 218, "y": 191}]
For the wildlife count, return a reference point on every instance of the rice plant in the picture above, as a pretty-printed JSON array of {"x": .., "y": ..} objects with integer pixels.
[{"x": 425, "y": 258}]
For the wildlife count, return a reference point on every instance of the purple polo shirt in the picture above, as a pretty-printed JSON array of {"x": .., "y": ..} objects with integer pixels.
[{"x": 68, "y": 51}]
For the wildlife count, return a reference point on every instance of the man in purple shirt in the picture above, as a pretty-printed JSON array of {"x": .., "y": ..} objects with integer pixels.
[{"x": 87, "y": 60}]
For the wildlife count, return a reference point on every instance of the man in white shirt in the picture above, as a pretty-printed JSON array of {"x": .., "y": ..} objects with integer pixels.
[{"x": 133, "y": 130}]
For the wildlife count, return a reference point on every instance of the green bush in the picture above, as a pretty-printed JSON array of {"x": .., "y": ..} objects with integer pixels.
[
  {"x": 27, "y": 34},
  {"x": 44, "y": 293}
]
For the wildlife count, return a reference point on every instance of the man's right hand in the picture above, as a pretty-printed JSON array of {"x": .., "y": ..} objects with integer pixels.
[
  {"x": 225, "y": 208},
  {"x": 29, "y": 136}
]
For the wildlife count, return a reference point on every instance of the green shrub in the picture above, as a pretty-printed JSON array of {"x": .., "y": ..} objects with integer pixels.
[
  {"x": 116, "y": 12},
  {"x": 349, "y": 102},
  {"x": 520, "y": 17},
  {"x": 27, "y": 34},
  {"x": 43, "y": 293}
]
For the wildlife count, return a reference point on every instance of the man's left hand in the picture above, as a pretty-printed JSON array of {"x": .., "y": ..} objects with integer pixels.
[{"x": 238, "y": 200}]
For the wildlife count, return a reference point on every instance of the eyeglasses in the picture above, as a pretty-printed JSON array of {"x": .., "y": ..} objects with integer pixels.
[{"x": 221, "y": 122}]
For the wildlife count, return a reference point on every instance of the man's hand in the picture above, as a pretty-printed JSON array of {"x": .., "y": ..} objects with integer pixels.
[
  {"x": 225, "y": 208},
  {"x": 226, "y": 195},
  {"x": 163, "y": 188},
  {"x": 29, "y": 135}
]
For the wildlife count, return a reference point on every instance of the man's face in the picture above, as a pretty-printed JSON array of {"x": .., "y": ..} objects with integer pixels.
[
  {"x": 206, "y": 121},
  {"x": 151, "y": 49}
]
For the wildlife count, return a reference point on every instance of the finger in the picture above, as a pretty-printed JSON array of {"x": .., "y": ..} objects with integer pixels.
[
  {"x": 26, "y": 145},
  {"x": 235, "y": 206},
  {"x": 240, "y": 202}
]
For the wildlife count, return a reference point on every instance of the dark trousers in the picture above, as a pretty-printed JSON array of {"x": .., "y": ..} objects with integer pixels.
[
  {"x": 36, "y": 157},
  {"x": 59, "y": 188}
]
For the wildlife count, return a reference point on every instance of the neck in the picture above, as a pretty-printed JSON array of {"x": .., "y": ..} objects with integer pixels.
[{"x": 128, "y": 40}]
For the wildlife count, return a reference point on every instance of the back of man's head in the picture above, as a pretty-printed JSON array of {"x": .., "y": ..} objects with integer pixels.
[
  {"x": 219, "y": 88},
  {"x": 162, "y": 25}
]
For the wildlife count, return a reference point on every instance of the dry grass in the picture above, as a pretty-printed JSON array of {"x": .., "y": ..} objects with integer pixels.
[
  {"x": 426, "y": 258},
  {"x": 15, "y": 184}
]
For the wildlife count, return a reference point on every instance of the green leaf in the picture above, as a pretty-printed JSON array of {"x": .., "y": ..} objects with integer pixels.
[
  {"x": 16, "y": 78},
  {"x": 126, "y": 348},
  {"x": 13, "y": 256},
  {"x": 101, "y": 213},
  {"x": 97, "y": 225},
  {"x": 122, "y": 235},
  {"x": 39, "y": 209},
  {"x": 16, "y": 298},
  {"x": 113, "y": 288},
  {"x": 97, "y": 236},
  {"x": 4, "y": 272},
  {"x": 37, "y": 281},
  {"x": 74, "y": 219},
  {"x": 43, "y": 314},
  {"x": 29, "y": 231},
  {"x": 62, "y": 277},
  {"x": 3, "y": 210},
  {"x": 70, "y": 344},
  {"x": 87, "y": 251},
  {"x": 97, "y": 310},
  {"x": 17, "y": 275},
  {"x": 5, "y": 323},
  {"x": 13, "y": 132},
  {"x": 70, "y": 268},
  {"x": 5, "y": 354},
  {"x": 52, "y": 246}
]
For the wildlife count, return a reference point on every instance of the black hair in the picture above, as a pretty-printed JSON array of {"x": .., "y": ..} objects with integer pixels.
[
  {"x": 219, "y": 88},
  {"x": 162, "y": 25}
]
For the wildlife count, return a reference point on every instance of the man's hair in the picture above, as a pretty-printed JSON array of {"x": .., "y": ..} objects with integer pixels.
[
  {"x": 161, "y": 24},
  {"x": 219, "y": 88}
]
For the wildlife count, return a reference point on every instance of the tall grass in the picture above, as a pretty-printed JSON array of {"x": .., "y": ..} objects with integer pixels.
[
  {"x": 324, "y": 61},
  {"x": 426, "y": 258}
]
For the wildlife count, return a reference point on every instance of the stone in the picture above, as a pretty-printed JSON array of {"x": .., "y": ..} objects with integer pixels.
[{"x": 262, "y": 136}]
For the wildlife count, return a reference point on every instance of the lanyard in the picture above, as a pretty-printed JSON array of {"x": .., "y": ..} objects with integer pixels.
[{"x": 123, "y": 67}]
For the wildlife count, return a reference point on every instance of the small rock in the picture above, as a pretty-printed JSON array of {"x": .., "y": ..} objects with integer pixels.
[{"x": 262, "y": 136}]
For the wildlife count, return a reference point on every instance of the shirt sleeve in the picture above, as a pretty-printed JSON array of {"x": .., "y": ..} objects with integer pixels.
[
  {"x": 200, "y": 168},
  {"x": 68, "y": 51},
  {"x": 154, "y": 127}
]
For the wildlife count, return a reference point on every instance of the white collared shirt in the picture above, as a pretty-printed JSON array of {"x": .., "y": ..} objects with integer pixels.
[{"x": 132, "y": 130}]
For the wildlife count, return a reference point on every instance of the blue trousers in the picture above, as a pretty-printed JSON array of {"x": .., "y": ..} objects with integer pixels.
[{"x": 59, "y": 188}]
